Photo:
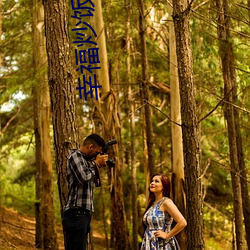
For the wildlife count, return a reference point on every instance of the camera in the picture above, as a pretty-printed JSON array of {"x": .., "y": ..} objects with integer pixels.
[{"x": 110, "y": 162}]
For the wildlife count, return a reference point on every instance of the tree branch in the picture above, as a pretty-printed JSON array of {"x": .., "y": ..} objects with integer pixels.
[
  {"x": 161, "y": 112},
  {"x": 10, "y": 120},
  {"x": 14, "y": 8}
]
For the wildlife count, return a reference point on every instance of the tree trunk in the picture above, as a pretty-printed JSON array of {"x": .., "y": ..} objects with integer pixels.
[
  {"x": 111, "y": 130},
  {"x": 176, "y": 132},
  {"x": 104, "y": 219},
  {"x": 61, "y": 85},
  {"x": 248, "y": 3},
  {"x": 243, "y": 179},
  {"x": 1, "y": 64},
  {"x": 128, "y": 7},
  {"x": 189, "y": 127},
  {"x": 1, "y": 32},
  {"x": 231, "y": 116},
  {"x": 145, "y": 90},
  {"x": 46, "y": 237},
  {"x": 99, "y": 28}
]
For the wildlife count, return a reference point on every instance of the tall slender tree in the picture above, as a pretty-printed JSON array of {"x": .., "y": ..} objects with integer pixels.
[
  {"x": 145, "y": 91},
  {"x": 243, "y": 180},
  {"x": 1, "y": 62},
  {"x": 111, "y": 129},
  {"x": 231, "y": 115},
  {"x": 1, "y": 30},
  {"x": 46, "y": 237},
  {"x": 248, "y": 4},
  {"x": 128, "y": 9},
  {"x": 181, "y": 17},
  {"x": 61, "y": 86},
  {"x": 176, "y": 132}
]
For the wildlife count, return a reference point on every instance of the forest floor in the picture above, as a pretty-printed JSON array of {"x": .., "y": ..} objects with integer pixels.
[{"x": 18, "y": 232}]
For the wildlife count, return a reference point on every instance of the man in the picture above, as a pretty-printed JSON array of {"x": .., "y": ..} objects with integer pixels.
[{"x": 81, "y": 175}]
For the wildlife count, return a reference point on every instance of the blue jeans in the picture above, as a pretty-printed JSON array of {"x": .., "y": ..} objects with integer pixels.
[{"x": 76, "y": 226}]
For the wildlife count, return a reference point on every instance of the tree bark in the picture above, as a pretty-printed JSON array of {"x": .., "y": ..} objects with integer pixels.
[
  {"x": 243, "y": 178},
  {"x": 231, "y": 116},
  {"x": 128, "y": 6},
  {"x": 1, "y": 32},
  {"x": 176, "y": 132},
  {"x": 99, "y": 28},
  {"x": 1, "y": 62},
  {"x": 192, "y": 169},
  {"x": 104, "y": 219},
  {"x": 111, "y": 130},
  {"x": 46, "y": 237},
  {"x": 248, "y": 3},
  {"x": 145, "y": 90},
  {"x": 62, "y": 90}
]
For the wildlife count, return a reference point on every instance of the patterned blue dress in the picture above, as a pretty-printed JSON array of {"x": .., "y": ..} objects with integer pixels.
[{"x": 155, "y": 220}]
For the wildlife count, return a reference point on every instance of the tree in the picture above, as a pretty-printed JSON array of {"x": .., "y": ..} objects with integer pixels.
[
  {"x": 181, "y": 16},
  {"x": 145, "y": 92},
  {"x": 61, "y": 86},
  {"x": 45, "y": 218},
  {"x": 128, "y": 6},
  {"x": 17, "y": 124},
  {"x": 243, "y": 178},
  {"x": 111, "y": 129},
  {"x": 230, "y": 93},
  {"x": 176, "y": 133},
  {"x": 1, "y": 32}
]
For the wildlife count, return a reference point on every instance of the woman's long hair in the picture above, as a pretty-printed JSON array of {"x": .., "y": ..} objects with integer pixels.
[{"x": 166, "y": 185}]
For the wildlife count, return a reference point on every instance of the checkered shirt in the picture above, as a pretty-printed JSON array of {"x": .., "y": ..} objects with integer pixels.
[{"x": 80, "y": 179}]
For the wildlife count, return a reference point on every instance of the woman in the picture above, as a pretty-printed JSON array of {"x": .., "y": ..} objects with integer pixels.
[{"x": 159, "y": 215}]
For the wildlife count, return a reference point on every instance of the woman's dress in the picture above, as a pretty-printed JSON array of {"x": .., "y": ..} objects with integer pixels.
[{"x": 155, "y": 220}]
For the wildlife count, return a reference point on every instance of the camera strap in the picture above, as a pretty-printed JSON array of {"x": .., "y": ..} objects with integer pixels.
[{"x": 97, "y": 179}]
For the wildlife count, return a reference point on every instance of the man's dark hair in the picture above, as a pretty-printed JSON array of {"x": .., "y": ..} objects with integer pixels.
[{"x": 94, "y": 139}]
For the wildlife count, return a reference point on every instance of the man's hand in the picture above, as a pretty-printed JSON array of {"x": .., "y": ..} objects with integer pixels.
[{"x": 101, "y": 160}]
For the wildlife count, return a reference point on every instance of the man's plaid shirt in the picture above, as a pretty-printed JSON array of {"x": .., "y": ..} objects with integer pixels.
[{"x": 80, "y": 179}]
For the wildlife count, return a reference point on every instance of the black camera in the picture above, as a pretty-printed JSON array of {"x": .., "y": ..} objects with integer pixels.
[{"x": 110, "y": 162}]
